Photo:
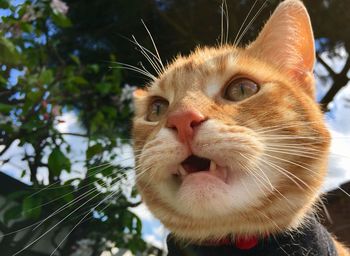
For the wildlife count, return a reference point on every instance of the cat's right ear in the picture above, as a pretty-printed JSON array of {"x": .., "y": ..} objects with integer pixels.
[{"x": 287, "y": 42}]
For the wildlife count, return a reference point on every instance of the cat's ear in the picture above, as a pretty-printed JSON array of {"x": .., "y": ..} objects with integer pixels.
[{"x": 287, "y": 41}]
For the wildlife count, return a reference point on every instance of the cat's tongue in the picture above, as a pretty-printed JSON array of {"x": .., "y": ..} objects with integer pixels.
[{"x": 195, "y": 165}]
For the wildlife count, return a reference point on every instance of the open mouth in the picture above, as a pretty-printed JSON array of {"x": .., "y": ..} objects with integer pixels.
[{"x": 193, "y": 164}]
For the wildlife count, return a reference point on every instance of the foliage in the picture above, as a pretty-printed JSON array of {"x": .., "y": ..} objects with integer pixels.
[{"x": 51, "y": 83}]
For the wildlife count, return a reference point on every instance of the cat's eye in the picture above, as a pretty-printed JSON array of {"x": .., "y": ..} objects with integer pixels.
[
  {"x": 157, "y": 109},
  {"x": 240, "y": 89}
]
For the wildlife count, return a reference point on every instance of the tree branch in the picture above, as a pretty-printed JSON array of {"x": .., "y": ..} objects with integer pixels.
[
  {"x": 74, "y": 134},
  {"x": 339, "y": 81},
  {"x": 346, "y": 67},
  {"x": 326, "y": 66},
  {"x": 132, "y": 205}
]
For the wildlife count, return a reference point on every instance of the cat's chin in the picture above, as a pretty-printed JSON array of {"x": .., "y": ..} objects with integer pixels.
[
  {"x": 204, "y": 194},
  {"x": 202, "y": 184}
]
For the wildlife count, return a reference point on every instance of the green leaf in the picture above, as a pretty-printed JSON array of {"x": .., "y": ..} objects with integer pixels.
[
  {"x": 108, "y": 171},
  {"x": 127, "y": 220},
  {"x": 61, "y": 20},
  {"x": 30, "y": 126},
  {"x": 13, "y": 213},
  {"x": 31, "y": 207},
  {"x": 23, "y": 9},
  {"x": 26, "y": 27},
  {"x": 138, "y": 225},
  {"x": 4, "y": 4},
  {"x": 46, "y": 77},
  {"x": 103, "y": 88},
  {"x": 8, "y": 52},
  {"x": 134, "y": 192},
  {"x": 71, "y": 87},
  {"x": 58, "y": 162},
  {"x": 23, "y": 173},
  {"x": 75, "y": 59},
  {"x": 97, "y": 121},
  {"x": 5, "y": 108},
  {"x": 18, "y": 195},
  {"x": 3, "y": 81},
  {"x": 94, "y": 150},
  {"x": 33, "y": 96},
  {"x": 79, "y": 80},
  {"x": 94, "y": 68},
  {"x": 6, "y": 128}
]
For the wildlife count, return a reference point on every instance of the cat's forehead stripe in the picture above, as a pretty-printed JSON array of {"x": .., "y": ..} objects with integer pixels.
[{"x": 198, "y": 67}]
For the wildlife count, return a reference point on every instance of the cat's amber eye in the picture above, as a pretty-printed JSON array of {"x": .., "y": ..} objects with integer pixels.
[
  {"x": 157, "y": 109},
  {"x": 240, "y": 89}
]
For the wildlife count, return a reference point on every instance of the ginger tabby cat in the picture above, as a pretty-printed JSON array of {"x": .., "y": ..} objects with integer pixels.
[{"x": 232, "y": 147}]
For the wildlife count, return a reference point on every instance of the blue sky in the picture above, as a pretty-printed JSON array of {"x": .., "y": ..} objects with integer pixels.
[{"x": 4, "y": 12}]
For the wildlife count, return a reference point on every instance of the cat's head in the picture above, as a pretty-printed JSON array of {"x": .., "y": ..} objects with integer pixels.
[{"x": 230, "y": 140}]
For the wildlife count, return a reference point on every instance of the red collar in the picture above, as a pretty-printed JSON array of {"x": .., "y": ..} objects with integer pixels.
[
  {"x": 246, "y": 243},
  {"x": 243, "y": 243}
]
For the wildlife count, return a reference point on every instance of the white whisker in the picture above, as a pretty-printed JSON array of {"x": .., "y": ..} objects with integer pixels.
[
  {"x": 87, "y": 214},
  {"x": 144, "y": 72},
  {"x": 251, "y": 22},
  {"x": 154, "y": 45},
  {"x": 145, "y": 52},
  {"x": 244, "y": 21}
]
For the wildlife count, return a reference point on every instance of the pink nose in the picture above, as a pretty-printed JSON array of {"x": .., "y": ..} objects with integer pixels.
[{"x": 184, "y": 123}]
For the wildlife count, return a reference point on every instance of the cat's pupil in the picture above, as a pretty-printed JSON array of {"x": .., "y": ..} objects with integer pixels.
[
  {"x": 242, "y": 89},
  {"x": 158, "y": 106}
]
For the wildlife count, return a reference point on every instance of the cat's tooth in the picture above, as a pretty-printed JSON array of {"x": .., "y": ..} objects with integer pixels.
[
  {"x": 182, "y": 171},
  {"x": 212, "y": 166}
]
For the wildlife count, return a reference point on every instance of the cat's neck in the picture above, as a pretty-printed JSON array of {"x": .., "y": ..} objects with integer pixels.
[{"x": 312, "y": 238}]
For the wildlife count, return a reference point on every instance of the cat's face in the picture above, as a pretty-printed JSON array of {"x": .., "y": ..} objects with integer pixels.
[{"x": 230, "y": 140}]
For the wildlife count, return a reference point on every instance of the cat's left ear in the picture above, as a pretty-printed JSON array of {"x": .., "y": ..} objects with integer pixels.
[{"x": 287, "y": 41}]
